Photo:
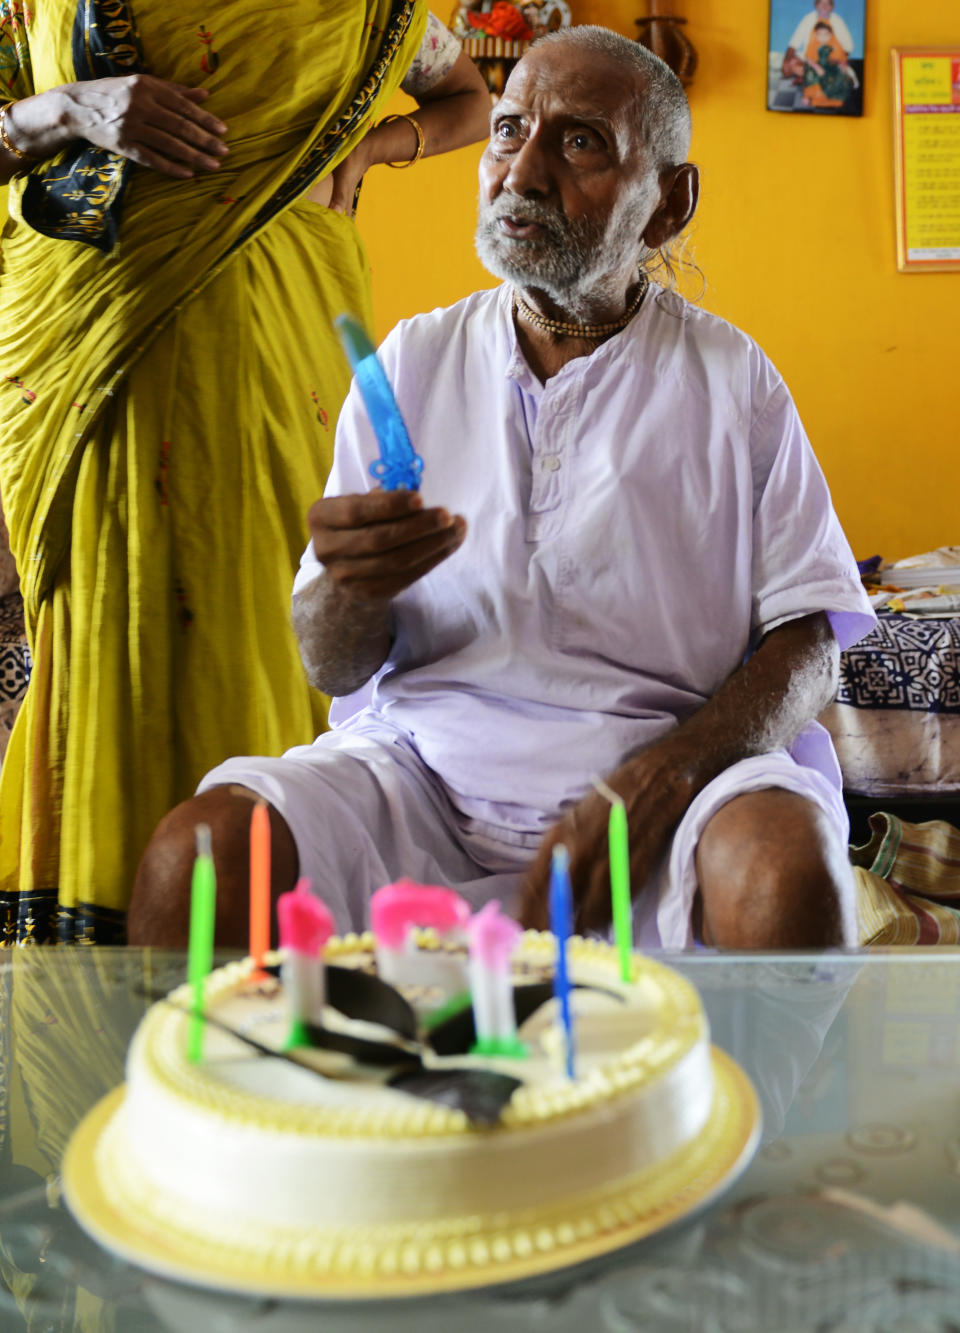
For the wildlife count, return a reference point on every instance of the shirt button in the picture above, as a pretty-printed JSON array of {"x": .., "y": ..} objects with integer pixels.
[{"x": 550, "y": 463}]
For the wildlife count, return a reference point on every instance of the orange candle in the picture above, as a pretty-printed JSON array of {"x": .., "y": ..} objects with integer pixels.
[{"x": 259, "y": 884}]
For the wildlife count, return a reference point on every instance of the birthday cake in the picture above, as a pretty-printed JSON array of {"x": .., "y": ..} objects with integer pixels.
[{"x": 391, "y": 1150}]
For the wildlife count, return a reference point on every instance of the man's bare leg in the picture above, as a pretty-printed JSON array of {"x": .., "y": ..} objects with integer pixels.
[
  {"x": 159, "y": 912},
  {"x": 774, "y": 875}
]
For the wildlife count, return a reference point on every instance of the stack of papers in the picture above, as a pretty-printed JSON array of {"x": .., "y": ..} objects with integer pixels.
[
  {"x": 926, "y": 585},
  {"x": 933, "y": 570}
]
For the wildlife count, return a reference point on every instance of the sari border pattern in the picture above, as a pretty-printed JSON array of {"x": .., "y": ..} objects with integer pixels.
[
  {"x": 401, "y": 16},
  {"x": 78, "y": 195},
  {"x": 34, "y": 917}
]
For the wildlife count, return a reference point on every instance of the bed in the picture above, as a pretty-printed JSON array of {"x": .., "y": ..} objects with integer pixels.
[{"x": 896, "y": 721}]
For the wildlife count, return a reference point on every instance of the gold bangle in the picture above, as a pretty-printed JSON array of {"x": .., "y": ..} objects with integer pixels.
[
  {"x": 5, "y": 137},
  {"x": 419, "y": 133}
]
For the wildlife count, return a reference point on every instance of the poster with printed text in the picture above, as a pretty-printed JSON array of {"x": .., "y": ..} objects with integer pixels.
[{"x": 926, "y": 87}]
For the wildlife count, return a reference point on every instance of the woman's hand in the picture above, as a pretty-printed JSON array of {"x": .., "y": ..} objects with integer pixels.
[
  {"x": 153, "y": 122},
  {"x": 346, "y": 178},
  {"x": 454, "y": 112}
]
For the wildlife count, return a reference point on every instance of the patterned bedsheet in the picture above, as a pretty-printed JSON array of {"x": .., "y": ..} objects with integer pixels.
[
  {"x": 15, "y": 664},
  {"x": 896, "y": 722}
]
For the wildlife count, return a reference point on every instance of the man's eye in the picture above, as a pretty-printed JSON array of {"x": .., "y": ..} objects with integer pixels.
[
  {"x": 506, "y": 130},
  {"x": 582, "y": 141}
]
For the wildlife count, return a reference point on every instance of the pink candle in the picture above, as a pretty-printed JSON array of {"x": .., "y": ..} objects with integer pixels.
[
  {"x": 305, "y": 925},
  {"x": 492, "y": 940},
  {"x": 396, "y": 911}
]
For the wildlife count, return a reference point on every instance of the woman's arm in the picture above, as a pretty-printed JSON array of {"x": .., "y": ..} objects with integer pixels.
[
  {"x": 453, "y": 113},
  {"x": 152, "y": 121}
]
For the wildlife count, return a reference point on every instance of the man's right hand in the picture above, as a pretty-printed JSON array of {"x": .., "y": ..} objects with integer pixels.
[{"x": 375, "y": 545}]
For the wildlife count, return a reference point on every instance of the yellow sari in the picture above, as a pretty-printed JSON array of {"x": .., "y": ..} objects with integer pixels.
[{"x": 169, "y": 386}]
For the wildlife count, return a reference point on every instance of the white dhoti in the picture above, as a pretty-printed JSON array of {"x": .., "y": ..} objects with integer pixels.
[{"x": 365, "y": 812}]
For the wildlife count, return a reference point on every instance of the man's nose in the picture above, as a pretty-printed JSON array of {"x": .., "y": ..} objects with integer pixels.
[{"x": 529, "y": 170}]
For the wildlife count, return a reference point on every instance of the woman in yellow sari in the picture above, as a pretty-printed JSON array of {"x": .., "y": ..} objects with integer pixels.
[{"x": 169, "y": 386}]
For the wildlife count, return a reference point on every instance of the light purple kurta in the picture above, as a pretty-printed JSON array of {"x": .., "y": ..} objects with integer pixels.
[{"x": 635, "y": 525}]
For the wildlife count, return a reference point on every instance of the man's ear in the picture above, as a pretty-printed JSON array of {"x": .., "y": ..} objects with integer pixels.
[{"x": 677, "y": 207}]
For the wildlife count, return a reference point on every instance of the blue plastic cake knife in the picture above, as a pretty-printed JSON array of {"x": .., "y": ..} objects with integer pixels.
[{"x": 399, "y": 466}]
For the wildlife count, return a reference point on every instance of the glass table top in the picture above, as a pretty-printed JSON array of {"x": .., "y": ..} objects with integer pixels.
[{"x": 847, "y": 1219}]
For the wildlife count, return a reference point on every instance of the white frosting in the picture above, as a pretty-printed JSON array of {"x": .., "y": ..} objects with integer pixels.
[{"x": 242, "y": 1142}]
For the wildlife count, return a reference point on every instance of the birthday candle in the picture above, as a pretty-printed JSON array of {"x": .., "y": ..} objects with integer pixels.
[
  {"x": 492, "y": 939},
  {"x": 305, "y": 925},
  {"x": 561, "y": 923},
  {"x": 620, "y": 886},
  {"x": 259, "y": 885},
  {"x": 395, "y": 911},
  {"x": 203, "y": 905},
  {"x": 619, "y": 849}
]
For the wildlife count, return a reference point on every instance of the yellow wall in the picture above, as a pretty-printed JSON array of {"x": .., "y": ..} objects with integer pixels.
[{"x": 795, "y": 235}]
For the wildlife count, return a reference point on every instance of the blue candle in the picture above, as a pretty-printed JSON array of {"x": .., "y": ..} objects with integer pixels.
[{"x": 561, "y": 923}]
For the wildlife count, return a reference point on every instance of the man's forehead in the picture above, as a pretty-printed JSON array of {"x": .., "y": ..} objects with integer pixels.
[{"x": 577, "y": 91}]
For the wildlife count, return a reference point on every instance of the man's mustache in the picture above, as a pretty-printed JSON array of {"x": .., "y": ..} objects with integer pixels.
[{"x": 542, "y": 214}]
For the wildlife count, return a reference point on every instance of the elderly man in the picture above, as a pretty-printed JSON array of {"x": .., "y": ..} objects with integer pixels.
[{"x": 624, "y": 565}]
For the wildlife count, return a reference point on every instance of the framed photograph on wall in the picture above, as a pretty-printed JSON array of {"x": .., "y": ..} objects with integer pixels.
[{"x": 815, "y": 54}]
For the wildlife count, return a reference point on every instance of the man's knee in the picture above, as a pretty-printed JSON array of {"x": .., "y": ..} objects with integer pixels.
[
  {"x": 774, "y": 874},
  {"x": 159, "y": 907}
]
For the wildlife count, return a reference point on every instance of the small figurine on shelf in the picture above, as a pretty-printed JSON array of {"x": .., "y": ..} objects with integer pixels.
[
  {"x": 534, "y": 16},
  {"x": 502, "y": 19},
  {"x": 495, "y": 33}
]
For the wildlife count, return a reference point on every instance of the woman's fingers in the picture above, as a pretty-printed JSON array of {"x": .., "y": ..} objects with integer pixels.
[
  {"x": 171, "y": 147},
  {"x": 176, "y": 130},
  {"x": 154, "y": 122},
  {"x": 177, "y": 100}
]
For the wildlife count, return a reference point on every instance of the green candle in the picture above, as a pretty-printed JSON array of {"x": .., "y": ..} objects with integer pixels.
[
  {"x": 620, "y": 885},
  {"x": 203, "y": 903}
]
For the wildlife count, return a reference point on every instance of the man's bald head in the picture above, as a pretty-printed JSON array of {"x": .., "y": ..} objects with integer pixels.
[
  {"x": 586, "y": 169},
  {"x": 659, "y": 109}
]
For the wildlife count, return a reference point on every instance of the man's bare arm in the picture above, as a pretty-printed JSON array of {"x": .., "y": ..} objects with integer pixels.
[
  {"x": 342, "y": 642},
  {"x": 372, "y": 546},
  {"x": 763, "y": 706}
]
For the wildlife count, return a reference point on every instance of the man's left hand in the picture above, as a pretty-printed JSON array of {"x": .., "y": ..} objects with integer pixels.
[
  {"x": 762, "y": 706},
  {"x": 656, "y": 792}
]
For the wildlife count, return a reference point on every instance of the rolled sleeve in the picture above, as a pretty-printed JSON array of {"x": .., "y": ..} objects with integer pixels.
[{"x": 802, "y": 561}]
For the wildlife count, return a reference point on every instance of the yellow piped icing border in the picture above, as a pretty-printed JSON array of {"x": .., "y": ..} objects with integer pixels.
[
  {"x": 125, "y": 1211},
  {"x": 162, "y": 1037}
]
